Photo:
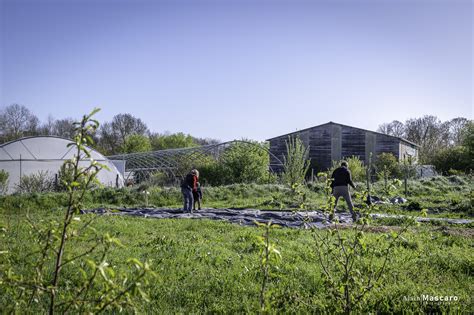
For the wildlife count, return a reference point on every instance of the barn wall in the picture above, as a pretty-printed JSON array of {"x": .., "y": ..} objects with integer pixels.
[
  {"x": 334, "y": 142},
  {"x": 320, "y": 150},
  {"x": 278, "y": 147},
  {"x": 370, "y": 145},
  {"x": 353, "y": 142},
  {"x": 407, "y": 150},
  {"x": 387, "y": 144}
]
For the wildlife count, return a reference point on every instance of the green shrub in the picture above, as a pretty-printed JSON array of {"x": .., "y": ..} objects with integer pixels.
[
  {"x": 3, "y": 181},
  {"x": 355, "y": 165},
  {"x": 296, "y": 162},
  {"x": 239, "y": 163},
  {"x": 455, "y": 159},
  {"x": 42, "y": 181},
  {"x": 386, "y": 165}
]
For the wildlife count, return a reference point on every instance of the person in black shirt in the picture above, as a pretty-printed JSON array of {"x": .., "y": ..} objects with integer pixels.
[{"x": 341, "y": 179}]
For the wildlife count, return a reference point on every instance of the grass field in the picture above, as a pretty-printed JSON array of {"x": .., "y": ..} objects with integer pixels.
[{"x": 210, "y": 266}]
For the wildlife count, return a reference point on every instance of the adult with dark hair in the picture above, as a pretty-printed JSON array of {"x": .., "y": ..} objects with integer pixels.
[
  {"x": 189, "y": 185},
  {"x": 341, "y": 179}
]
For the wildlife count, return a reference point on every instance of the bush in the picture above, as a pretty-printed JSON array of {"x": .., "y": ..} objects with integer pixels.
[
  {"x": 296, "y": 162},
  {"x": 160, "y": 178},
  {"x": 239, "y": 163},
  {"x": 40, "y": 182},
  {"x": 355, "y": 165},
  {"x": 3, "y": 182},
  {"x": 386, "y": 164},
  {"x": 454, "y": 159},
  {"x": 65, "y": 176}
]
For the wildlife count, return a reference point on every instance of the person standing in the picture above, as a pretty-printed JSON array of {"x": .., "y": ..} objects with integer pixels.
[
  {"x": 197, "y": 196},
  {"x": 341, "y": 179},
  {"x": 189, "y": 185}
]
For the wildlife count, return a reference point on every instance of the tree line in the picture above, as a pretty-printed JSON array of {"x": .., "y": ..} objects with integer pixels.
[
  {"x": 448, "y": 145},
  {"x": 123, "y": 134}
]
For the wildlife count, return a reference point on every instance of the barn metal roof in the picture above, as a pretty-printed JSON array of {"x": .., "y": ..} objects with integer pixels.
[{"x": 342, "y": 125}]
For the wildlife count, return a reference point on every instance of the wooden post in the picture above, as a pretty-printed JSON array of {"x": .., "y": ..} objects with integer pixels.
[
  {"x": 21, "y": 189},
  {"x": 368, "y": 170}
]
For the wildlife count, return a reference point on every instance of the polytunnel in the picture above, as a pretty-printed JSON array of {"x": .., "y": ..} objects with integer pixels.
[
  {"x": 46, "y": 155},
  {"x": 177, "y": 162}
]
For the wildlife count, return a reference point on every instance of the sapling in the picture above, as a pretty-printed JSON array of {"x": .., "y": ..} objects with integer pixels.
[
  {"x": 347, "y": 259},
  {"x": 97, "y": 286},
  {"x": 267, "y": 255},
  {"x": 296, "y": 162}
]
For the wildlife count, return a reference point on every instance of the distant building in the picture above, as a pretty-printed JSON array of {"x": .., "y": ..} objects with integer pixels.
[{"x": 332, "y": 142}]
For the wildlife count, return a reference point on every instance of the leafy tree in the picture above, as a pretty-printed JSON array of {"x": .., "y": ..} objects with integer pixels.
[
  {"x": 171, "y": 141},
  {"x": 455, "y": 158},
  {"x": 296, "y": 163},
  {"x": 467, "y": 140},
  {"x": 136, "y": 143}
]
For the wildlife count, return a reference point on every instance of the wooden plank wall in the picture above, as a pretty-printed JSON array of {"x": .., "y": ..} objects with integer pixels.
[
  {"x": 320, "y": 147},
  {"x": 353, "y": 142},
  {"x": 387, "y": 144},
  {"x": 334, "y": 142},
  {"x": 278, "y": 147}
]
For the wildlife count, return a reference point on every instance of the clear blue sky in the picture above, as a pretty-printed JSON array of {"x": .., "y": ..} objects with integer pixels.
[{"x": 233, "y": 69}]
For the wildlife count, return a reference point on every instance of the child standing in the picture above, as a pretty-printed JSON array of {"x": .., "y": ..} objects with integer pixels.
[{"x": 197, "y": 196}]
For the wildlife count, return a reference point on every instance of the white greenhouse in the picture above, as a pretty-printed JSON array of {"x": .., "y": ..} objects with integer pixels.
[{"x": 46, "y": 154}]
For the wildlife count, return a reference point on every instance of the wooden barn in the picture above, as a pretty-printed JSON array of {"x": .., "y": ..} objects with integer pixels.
[{"x": 332, "y": 142}]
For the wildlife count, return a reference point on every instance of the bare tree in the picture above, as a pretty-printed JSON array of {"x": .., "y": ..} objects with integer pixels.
[
  {"x": 124, "y": 125},
  {"x": 47, "y": 128},
  {"x": 64, "y": 128},
  {"x": 456, "y": 130},
  {"x": 428, "y": 132},
  {"x": 112, "y": 135},
  {"x": 108, "y": 142},
  {"x": 395, "y": 128},
  {"x": 17, "y": 121}
]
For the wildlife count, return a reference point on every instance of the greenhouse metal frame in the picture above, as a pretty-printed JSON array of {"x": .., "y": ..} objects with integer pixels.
[{"x": 143, "y": 164}]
